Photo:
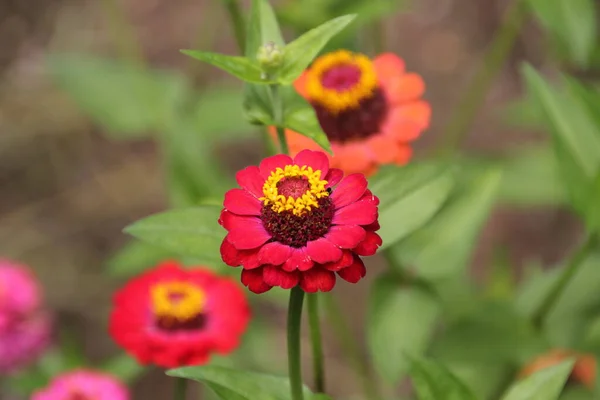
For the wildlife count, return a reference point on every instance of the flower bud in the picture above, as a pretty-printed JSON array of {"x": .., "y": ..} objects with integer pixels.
[{"x": 270, "y": 56}]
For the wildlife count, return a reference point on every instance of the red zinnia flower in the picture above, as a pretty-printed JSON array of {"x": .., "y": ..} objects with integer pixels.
[
  {"x": 369, "y": 110},
  {"x": 296, "y": 221},
  {"x": 174, "y": 317}
]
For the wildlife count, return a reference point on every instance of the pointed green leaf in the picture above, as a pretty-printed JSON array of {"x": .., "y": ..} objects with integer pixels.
[
  {"x": 232, "y": 384},
  {"x": 240, "y": 67},
  {"x": 409, "y": 196},
  {"x": 192, "y": 232},
  {"x": 576, "y": 137},
  {"x": 401, "y": 321},
  {"x": 546, "y": 384},
  {"x": 134, "y": 258},
  {"x": 442, "y": 248},
  {"x": 433, "y": 381},
  {"x": 262, "y": 28},
  {"x": 573, "y": 23},
  {"x": 301, "y": 52}
]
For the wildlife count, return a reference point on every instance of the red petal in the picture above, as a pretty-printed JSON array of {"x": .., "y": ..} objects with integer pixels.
[
  {"x": 274, "y": 253},
  {"x": 246, "y": 232},
  {"x": 334, "y": 176},
  {"x": 372, "y": 227},
  {"x": 240, "y": 201},
  {"x": 355, "y": 272},
  {"x": 315, "y": 159},
  {"x": 299, "y": 260},
  {"x": 346, "y": 236},
  {"x": 368, "y": 196},
  {"x": 359, "y": 213},
  {"x": 323, "y": 251},
  {"x": 346, "y": 260},
  {"x": 253, "y": 279},
  {"x": 229, "y": 254},
  {"x": 275, "y": 276},
  {"x": 270, "y": 164},
  {"x": 369, "y": 246},
  {"x": 249, "y": 178},
  {"x": 350, "y": 189},
  {"x": 404, "y": 88},
  {"x": 317, "y": 279}
]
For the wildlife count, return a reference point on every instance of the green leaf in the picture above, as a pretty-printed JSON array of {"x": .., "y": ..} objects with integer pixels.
[
  {"x": 240, "y": 67},
  {"x": 128, "y": 101},
  {"x": 232, "y": 384},
  {"x": 192, "y": 232},
  {"x": 442, "y": 248},
  {"x": 301, "y": 52},
  {"x": 575, "y": 136},
  {"x": 433, "y": 381},
  {"x": 493, "y": 331},
  {"x": 124, "y": 367},
  {"x": 409, "y": 196},
  {"x": 573, "y": 23},
  {"x": 531, "y": 176},
  {"x": 262, "y": 28},
  {"x": 546, "y": 384},
  {"x": 401, "y": 321},
  {"x": 135, "y": 257}
]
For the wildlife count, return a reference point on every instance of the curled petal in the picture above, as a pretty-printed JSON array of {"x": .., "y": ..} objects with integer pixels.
[
  {"x": 323, "y": 251},
  {"x": 249, "y": 178},
  {"x": 369, "y": 246},
  {"x": 354, "y": 272},
  {"x": 274, "y": 253},
  {"x": 346, "y": 260},
  {"x": 315, "y": 159},
  {"x": 334, "y": 177},
  {"x": 349, "y": 190},
  {"x": 299, "y": 260},
  {"x": 253, "y": 279},
  {"x": 346, "y": 236},
  {"x": 275, "y": 276},
  {"x": 241, "y": 202},
  {"x": 317, "y": 280}
]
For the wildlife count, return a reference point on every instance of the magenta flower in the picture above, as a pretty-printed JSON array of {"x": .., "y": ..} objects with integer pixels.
[
  {"x": 83, "y": 385},
  {"x": 299, "y": 222},
  {"x": 25, "y": 329}
]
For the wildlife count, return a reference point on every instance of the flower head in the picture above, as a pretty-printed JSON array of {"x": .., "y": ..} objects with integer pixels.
[
  {"x": 174, "y": 317},
  {"x": 25, "y": 328},
  {"x": 584, "y": 370},
  {"x": 299, "y": 222},
  {"x": 369, "y": 109},
  {"x": 83, "y": 385}
]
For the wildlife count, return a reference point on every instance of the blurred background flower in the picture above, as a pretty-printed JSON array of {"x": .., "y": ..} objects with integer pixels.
[{"x": 83, "y": 384}]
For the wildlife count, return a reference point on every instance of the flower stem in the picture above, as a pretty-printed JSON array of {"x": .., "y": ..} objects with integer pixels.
[
  {"x": 293, "y": 336},
  {"x": 237, "y": 21},
  {"x": 277, "y": 104},
  {"x": 180, "y": 389},
  {"x": 351, "y": 348},
  {"x": 568, "y": 273},
  {"x": 466, "y": 109},
  {"x": 315, "y": 337}
]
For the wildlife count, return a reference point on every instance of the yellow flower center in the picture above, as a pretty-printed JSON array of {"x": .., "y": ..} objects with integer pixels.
[
  {"x": 294, "y": 188},
  {"x": 178, "y": 301},
  {"x": 340, "y": 80}
]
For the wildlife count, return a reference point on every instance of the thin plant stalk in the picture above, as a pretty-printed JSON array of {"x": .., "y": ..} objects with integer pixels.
[
  {"x": 315, "y": 338},
  {"x": 180, "y": 389},
  {"x": 294, "y": 322}
]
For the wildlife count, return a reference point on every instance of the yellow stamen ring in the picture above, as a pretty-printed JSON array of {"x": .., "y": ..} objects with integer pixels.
[
  {"x": 182, "y": 301},
  {"x": 334, "y": 100},
  {"x": 280, "y": 203}
]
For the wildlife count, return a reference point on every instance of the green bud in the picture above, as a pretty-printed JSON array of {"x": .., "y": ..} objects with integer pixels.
[{"x": 270, "y": 56}]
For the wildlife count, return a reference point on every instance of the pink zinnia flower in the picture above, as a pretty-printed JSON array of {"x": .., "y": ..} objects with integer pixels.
[
  {"x": 24, "y": 327},
  {"x": 83, "y": 385},
  {"x": 299, "y": 222}
]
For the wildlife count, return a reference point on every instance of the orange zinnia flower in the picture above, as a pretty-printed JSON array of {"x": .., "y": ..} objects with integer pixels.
[
  {"x": 370, "y": 109},
  {"x": 584, "y": 370}
]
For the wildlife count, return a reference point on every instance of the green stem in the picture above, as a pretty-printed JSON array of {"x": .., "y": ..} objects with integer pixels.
[
  {"x": 351, "y": 348},
  {"x": 237, "y": 21},
  {"x": 467, "y": 108},
  {"x": 123, "y": 35},
  {"x": 377, "y": 34},
  {"x": 294, "y": 323},
  {"x": 539, "y": 317},
  {"x": 315, "y": 337},
  {"x": 180, "y": 389},
  {"x": 277, "y": 103}
]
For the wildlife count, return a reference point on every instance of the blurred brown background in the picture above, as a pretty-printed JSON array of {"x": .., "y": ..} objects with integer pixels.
[{"x": 67, "y": 191}]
